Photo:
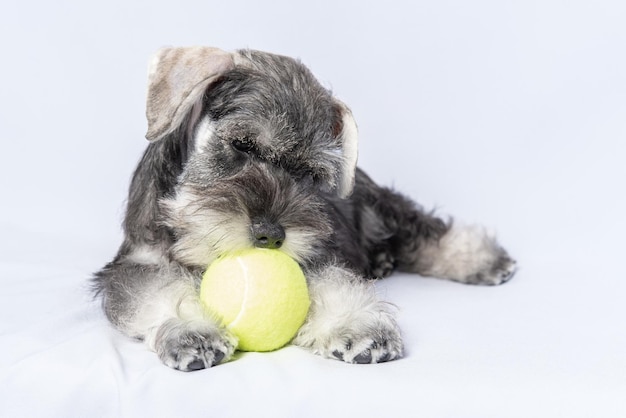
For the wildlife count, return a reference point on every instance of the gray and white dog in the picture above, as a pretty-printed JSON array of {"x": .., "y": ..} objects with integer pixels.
[{"x": 249, "y": 150}]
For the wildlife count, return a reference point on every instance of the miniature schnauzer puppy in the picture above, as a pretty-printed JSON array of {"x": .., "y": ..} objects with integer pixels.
[{"x": 249, "y": 150}]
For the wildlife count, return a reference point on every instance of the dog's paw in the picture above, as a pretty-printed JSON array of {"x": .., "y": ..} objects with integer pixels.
[
  {"x": 347, "y": 321},
  {"x": 370, "y": 338},
  {"x": 383, "y": 264},
  {"x": 190, "y": 346},
  {"x": 382, "y": 346},
  {"x": 467, "y": 254},
  {"x": 500, "y": 271}
]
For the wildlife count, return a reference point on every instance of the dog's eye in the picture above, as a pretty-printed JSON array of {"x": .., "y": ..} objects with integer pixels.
[{"x": 242, "y": 145}]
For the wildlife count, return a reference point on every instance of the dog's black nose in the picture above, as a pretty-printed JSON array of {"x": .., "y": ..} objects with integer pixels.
[{"x": 268, "y": 235}]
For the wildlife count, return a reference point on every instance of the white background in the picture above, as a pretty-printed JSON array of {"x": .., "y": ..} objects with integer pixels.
[{"x": 508, "y": 114}]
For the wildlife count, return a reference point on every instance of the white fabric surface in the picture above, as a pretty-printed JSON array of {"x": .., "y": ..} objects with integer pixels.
[
  {"x": 509, "y": 114},
  {"x": 529, "y": 348}
]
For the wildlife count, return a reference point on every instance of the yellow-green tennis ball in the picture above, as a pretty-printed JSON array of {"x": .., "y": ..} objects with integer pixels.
[{"x": 260, "y": 295}]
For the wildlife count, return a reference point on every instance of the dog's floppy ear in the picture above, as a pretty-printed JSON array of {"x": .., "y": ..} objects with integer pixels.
[
  {"x": 346, "y": 132},
  {"x": 177, "y": 79}
]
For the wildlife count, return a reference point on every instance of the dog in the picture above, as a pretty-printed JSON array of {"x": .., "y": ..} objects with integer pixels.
[{"x": 248, "y": 150}]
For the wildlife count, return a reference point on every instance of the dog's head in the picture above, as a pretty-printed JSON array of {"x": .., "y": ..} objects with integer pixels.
[{"x": 264, "y": 142}]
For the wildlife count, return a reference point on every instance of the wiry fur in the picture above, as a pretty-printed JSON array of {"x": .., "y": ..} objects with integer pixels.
[
  {"x": 347, "y": 321},
  {"x": 266, "y": 148}
]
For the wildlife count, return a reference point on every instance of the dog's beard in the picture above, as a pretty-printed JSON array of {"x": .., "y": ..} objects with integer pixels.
[{"x": 212, "y": 219}]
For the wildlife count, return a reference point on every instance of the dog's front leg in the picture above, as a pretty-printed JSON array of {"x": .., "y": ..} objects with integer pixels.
[
  {"x": 347, "y": 321},
  {"x": 159, "y": 304}
]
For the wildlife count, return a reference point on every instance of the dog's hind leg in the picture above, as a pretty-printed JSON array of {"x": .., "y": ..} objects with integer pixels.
[
  {"x": 158, "y": 303},
  {"x": 398, "y": 234},
  {"x": 466, "y": 254}
]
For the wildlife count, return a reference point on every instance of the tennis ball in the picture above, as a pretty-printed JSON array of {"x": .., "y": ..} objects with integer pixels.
[{"x": 260, "y": 295}]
